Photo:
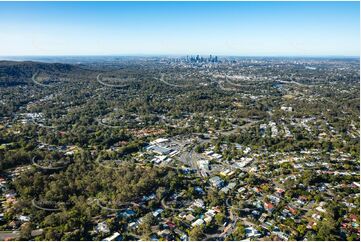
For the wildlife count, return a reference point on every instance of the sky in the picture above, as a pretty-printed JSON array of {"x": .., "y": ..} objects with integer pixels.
[{"x": 180, "y": 28}]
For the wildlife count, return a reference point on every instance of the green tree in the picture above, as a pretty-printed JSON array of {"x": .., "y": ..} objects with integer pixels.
[
  {"x": 196, "y": 233},
  {"x": 25, "y": 231},
  {"x": 220, "y": 218},
  {"x": 240, "y": 232}
]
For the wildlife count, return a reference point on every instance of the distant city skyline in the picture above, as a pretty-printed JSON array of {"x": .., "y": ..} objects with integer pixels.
[{"x": 180, "y": 28}]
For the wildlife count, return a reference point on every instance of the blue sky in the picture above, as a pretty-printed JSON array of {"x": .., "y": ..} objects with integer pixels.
[{"x": 180, "y": 28}]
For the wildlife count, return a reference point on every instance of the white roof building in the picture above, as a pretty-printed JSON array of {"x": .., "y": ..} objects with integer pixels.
[{"x": 198, "y": 222}]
